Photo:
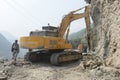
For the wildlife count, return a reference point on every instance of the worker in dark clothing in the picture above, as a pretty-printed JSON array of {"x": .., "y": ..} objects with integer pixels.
[{"x": 15, "y": 49}]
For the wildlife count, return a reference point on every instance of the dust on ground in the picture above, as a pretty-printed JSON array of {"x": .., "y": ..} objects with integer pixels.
[{"x": 23, "y": 70}]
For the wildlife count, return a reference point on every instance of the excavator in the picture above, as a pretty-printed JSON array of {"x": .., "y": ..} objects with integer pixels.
[{"x": 51, "y": 43}]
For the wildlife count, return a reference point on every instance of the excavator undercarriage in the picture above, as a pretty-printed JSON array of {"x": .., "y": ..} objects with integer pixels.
[{"x": 55, "y": 57}]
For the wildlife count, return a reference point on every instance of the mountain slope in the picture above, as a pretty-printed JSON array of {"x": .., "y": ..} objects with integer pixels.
[
  {"x": 105, "y": 15},
  {"x": 8, "y": 36},
  {"x": 80, "y": 37},
  {"x": 79, "y": 34},
  {"x": 5, "y": 47},
  {"x": 76, "y": 38}
]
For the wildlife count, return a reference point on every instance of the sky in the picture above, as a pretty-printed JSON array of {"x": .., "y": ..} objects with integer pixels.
[{"x": 19, "y": 17}]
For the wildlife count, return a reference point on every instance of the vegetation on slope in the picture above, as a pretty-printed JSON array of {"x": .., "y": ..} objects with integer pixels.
[{"x": 81, "y": 37}]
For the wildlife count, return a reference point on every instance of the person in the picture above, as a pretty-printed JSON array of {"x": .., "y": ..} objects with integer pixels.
[{"x": 15, "y": 50}]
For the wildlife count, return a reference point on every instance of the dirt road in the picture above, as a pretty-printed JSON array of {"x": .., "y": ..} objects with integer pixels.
[{"x": 45, "y": 71}]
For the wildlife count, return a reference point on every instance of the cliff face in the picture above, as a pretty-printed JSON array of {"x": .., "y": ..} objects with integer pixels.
[{"x": 106, "y": 18}]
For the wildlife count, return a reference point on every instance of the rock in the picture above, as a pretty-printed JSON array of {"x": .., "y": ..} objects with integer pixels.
[
  {"x": 8, "y": 70},
  {"x": 1, "y": 61},
  {"x": 99, "y": 73},
  {"x": 105, "y": 15},
  {"x": 91, "y": 61},
  {"x": 3, "y": 77}
]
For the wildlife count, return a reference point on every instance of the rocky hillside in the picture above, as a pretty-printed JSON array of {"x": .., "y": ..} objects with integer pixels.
[
  {"x": 105, "y": 15},
  {"x": 5, "y": 47}
]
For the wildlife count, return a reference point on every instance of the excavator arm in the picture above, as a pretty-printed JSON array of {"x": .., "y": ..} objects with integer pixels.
[
  {"x": 71, "y": 17},
  {"x": 66, "y": 22},
  {"x": 75, "y": 16}
]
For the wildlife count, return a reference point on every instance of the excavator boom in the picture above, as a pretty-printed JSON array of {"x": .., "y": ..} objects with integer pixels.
[
  {"x": 66, "y": 22},
  {"x": 72, "y": 16}
]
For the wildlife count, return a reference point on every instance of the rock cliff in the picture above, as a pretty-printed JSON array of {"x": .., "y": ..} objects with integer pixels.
[{"x": 105, "y": 15}]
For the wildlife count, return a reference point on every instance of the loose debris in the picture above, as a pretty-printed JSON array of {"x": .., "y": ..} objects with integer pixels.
[
  {"x": 91, "y": 61},
  {"x": 24, "y": 70}
]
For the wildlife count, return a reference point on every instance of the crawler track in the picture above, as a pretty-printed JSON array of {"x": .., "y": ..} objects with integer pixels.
[
  {"x": 54, "y": 58},
  {"x": 65, "y": 56}
]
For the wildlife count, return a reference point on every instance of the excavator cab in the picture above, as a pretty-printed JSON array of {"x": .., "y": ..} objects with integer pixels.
[{"x": 46, "y": 31}]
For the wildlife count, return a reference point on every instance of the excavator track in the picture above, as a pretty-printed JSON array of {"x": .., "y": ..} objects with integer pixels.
[
  {"x": 30, "y": 56},
  {"x": 36, "y": 56},
  {"x": 65, "y": 56},
  {"x": 53, "y": 58}
]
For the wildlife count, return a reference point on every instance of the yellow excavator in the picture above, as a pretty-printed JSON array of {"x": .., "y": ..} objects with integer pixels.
[{"x": 51, "y": 44}]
